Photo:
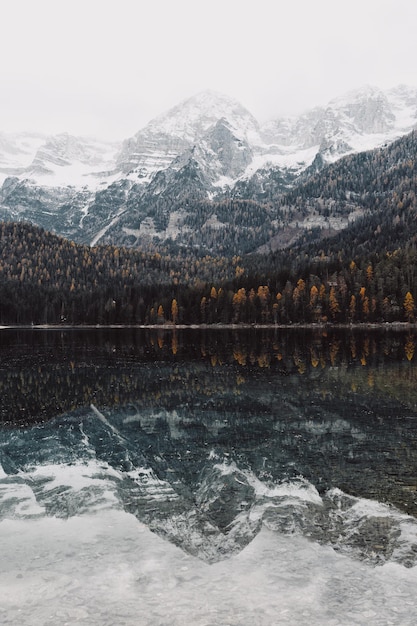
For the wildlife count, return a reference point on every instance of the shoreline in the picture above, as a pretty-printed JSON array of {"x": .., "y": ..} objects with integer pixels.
[{"x": 173, "y": 327}]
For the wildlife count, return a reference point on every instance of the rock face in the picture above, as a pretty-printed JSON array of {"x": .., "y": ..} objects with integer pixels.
[
  {"x": 206, "y": 148},
  {"x": 225, "y": 152},
  {"x": 358, "y": 118},
  {"x": 168, "y": 136},
  {"x": 64, "y": 150},
  {"x": 17, "y": 151},
  {"x": 369, "y": 110}
]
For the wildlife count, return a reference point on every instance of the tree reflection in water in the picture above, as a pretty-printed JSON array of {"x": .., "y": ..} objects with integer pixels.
[{"x": 44, "y": 373}]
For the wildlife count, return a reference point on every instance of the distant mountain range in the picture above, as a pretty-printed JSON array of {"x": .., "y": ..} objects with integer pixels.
[{"x": 205, "y": 174}]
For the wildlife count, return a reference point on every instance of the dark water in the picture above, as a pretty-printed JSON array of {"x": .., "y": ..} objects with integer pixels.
[
  {"x": 209, "y": 440},
  {"x": 339, "y": 409}
]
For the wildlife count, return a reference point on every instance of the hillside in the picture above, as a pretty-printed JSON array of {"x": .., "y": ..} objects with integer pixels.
[
  {"x": 45, "y": 279},
  {"x": 48, "y": 279}
]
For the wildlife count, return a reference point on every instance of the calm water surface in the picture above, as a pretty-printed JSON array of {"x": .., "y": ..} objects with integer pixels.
[{"x": 208, "y": 477}]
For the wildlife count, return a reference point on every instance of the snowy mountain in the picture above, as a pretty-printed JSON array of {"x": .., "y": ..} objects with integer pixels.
[
  {"x": 361, "y": 120},
  {"x": 168, "y": 136},
  {"x": 17, "y": 151},
  {"x": 72, "y": 160},
  {"x": 56, "y": 160},
  {"x": 207, "y": 148}
]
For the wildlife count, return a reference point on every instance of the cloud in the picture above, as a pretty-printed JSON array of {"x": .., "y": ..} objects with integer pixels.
[{"x": 108, "y": 67}]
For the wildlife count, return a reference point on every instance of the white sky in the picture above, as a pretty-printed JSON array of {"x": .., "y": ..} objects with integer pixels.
[{"x": 106, "y": 67}]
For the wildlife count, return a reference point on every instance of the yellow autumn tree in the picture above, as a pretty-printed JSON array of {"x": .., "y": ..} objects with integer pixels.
[
  {"x": 409, "y": 306},
  {"x": 314, "y": 303},
  {"x": 174, "y": 311},
  {"x": 314, "y": 294},
  {"x": 161, "y": 314},
  {"x": 239, "y": 299},
  {"x": 263, "y": 295},
  {"x": 333, "y": 303}
]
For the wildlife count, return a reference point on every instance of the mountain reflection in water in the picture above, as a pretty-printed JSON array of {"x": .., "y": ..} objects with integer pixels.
[
  {"x": 338, "y": 409},
  {"x": 284, "y": 460}
]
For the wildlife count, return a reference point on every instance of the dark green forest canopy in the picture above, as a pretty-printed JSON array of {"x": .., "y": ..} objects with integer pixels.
[
  {"x": 364, "y": 273},
  {"x": 47, "y": 279}
]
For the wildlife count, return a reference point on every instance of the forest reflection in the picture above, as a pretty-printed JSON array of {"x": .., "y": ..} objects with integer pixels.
[
  {"x": 304, "y": 349},
  {"x": 45, "y": 373}
]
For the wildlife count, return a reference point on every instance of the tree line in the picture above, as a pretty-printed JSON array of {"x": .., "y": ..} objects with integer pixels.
[{"x": 45, "y": 279}]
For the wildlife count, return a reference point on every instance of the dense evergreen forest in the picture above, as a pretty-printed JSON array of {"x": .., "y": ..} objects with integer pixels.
[
  {"x": 364, "y": 273},
  {"x": 45, "y": 279}
]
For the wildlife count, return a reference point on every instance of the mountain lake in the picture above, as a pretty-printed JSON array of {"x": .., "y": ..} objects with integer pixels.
[{"x": 209, "y": 477}]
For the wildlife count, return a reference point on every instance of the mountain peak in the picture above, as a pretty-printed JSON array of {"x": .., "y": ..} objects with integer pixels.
[
  {"x": 211, "y": 96},
  {"x": 191, "y": 118},
  {"x": 361, "y": 94},
  {"x": 177, "y": 130}
]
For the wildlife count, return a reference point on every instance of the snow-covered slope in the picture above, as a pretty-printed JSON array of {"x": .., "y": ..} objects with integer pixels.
[
  {"x": 229, "y": 144},
  {"x": 225, "y": 135},
  {"x": 363, "y": 119},
  {"x": 17, "y": 151},
  {"x": 65, "y": 159},
  {"x": 57, "y": 160},
  {"x": 208, "y": 146}
]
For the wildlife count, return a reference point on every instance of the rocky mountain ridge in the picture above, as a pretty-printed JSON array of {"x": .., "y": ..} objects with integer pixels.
[{"x": 206, "y": 149}]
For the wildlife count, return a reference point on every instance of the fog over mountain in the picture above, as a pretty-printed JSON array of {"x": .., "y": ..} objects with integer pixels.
[{"x": 207, "y": 148}]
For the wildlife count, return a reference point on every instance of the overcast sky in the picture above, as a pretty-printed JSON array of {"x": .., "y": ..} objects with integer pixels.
[{"x": 106, "y": 67}]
